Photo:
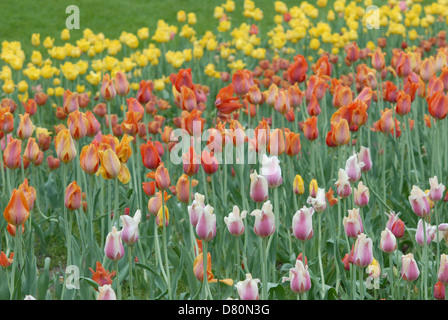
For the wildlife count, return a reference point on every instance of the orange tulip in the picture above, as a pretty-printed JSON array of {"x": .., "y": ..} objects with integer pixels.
[
  {"x": 53, "y": 163},
  {"x": 297, "y": 70},
  {"x": 89, "y": 159},
  {"x": 30, "y": 106},
  {"x": 155, "y": 203},
  {"x": 427, "y": 69},
  {"x": 292, "y": 141},
  {"x": 242, "y": 81},
  {"x": 192, "y": 121},
  {"x": 29, "y": 192},
  {"x": 121, "y": 84},
  {"x": 32, "y": 151},
  {"x": 124, "y": 150},
  {"x": 183, "y": 192},
  {"x": 6, "y": 120},
  {"x": 70, "y": 101},
  {"x": 12, "y": 154},
  {"x": 17, "y": 210},
  {"x": 150, "y": 155},
  {"x": 225, "y": 102},
  {"x": 5, "y": 261},
  {"x": 144, "y": 93},
  {"x": 182, "y": 78},
  {"x": 309, "y": 128},
  {"x": 73, "y": 196},
  {"x": 209, "y": 162},
  {"x": 276, "y": 145},
  {"x": 101, "y": 275},
  {"x": 65, "y": 146},
  {"x": 130, "y": 125},
  {"x": 93, "y": 126},
  {"x": 386, "y": 123},
  {"x": 342, "y": 96},
  {"x": 41, "y": 98},
  {"x": 339, "y": 134},
  {"x": 438, "y": 105},
  {"x": 403, "y": 106},
  {"x": 378, "y": 61},
  {"x": 110, "y": 164},
  {"x": 26, "y": 127},
  {"x": 323, "y": 67},
  {"x": 187, "y": 99},
  {"x": 12, "y": 229},
  {"x": 161, "y": 176},
  {"x": 78, "y": 124},
  {"x": 108, "y": 91}
]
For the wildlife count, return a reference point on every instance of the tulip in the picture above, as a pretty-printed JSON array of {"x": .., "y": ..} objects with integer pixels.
[
  {"x": 248, "y": 289},
  {"x": 272, "y": 171},
  {"x": 150, "y": 156},
  {"x": 155, "y": 203},
  {"x": 299, "y": 278},
  {"x": 361, "y": 195},
  {"x": 264, "y": 225},
  {"x": 209, "y": 162},
  {"x": 17, "y": 210},
  {"x": 121, "y": 84},
  {"x": 32, "y": 150},
  {"x": 12, "y": 154},
  {"x": 195, "y": 209},
  {"x": 89, "y": 159},
  {"x": 25, "y": 128},
  {"x": 6, "y": 120},
  {"x": 343, "y": 187},
  {"x": 439, "y": 291},
  {"x": 29, "y": 192},
  {"x": 161, "y": 176},
  {"x": 65, "y": 146},
  {"x": 78, "y": 124},
  {"x": 73, "y": 196},
  {"x": 309, "y": 128},
  {"x": 183, "y": 191},
  {"x": 298, "y": 185},
  {"x": 438, "y": 105},
  {"x": 206, "y": 226},
  {"x": 409, "y": 268},
  {"x": 318, "y": 202},
  {"x": 364, "y": 157},
  {"x": 234, "y": 221},
  {"x": 292, "y": 143},
  {"x": 353, "y": 168},
  {"x": 362, "y": 252},
  {"x": 420, "y": 234},
  {"x": 198, "y": 267},
  {"x": 160, "y": 218},
  {"x": 106, "y": 292},
  {"x": 113, "y": 248},
  {"x": 70, "y": 102},
  {"x": 242, "y": 81},
  {"x": 419, "y": 202},
  {"x": 353, "y": 224},
  {"x": 5, "y": 262},
  {"x": 129, "y": 233},
  {"x": 226, "y": 102},
  {"x": 395, "y": 224},
  {"x": 436, "y": 191},
  {"x": 297, "y": 70},
  {"x": 388, "y": 241},
  {"x": 259, "y": 188},
  {"x": 183, "y": 78},
  {"x": 101, "y": 275},
  {"x": 302, "y": 224},
  {"x": 110, "y": 164},
  {"x": 276, "y": 145},
  {"x": 442, "y": 274},
  {"x": 108, "y": 91},
  {"x": 339, "y": 134},
  {"x": 191, "y": 162}
]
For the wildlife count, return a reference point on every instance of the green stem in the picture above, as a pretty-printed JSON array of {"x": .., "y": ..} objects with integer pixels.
[
  {"x": 131, "y": 286},
  {"x": 319, "y": 247}
]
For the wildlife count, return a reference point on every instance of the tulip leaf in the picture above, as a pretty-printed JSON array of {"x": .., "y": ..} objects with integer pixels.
[
  {"x": 157, "y": 278},
  {"x": 92, "y": 283}
]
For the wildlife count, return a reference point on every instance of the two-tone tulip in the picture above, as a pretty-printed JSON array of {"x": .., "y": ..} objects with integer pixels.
[
  {"x": 248, "y": 288},
  {"x": 264, "y": 224},
  {"x": 129, "y": 232},
  {"x": 206, "y": 226},
  {"x": 353, "y": 225},
  {"x": 113, "y": 248},
  {"x": 409, "y": 268},
  {"x": 17, "y": 210},
  {"x": 234, "y": 221},
  {"x": 362, "y": 252},
  {"x": 65, "y": 146},
  {"x": 302, "y": 224}
]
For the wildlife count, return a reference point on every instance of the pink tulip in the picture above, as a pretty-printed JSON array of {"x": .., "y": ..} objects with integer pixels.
[
  {"x": 129, "y": 233},
  {"x": 106, "y": 293},
  {"x": 388, "y": 241},
  {"x": 206, "y": 226},
  {"x": 259, "y": 189},
  {"x": 419, "y": 202},
  {"x": 343, "y": 187},
  {"x": 113, "y": 248},
  {"x": 353, "y": 168},
  {"x": 353, "y": 224},
  {"x": 362, "y": 251},
  {"x": 248, "y": 289},
  {"x": 442, "y": 275},
  {"x": 272, "y": 171},
  {"x": 361, "y": 195},
  {"x": 420, "y": 234},
  {"x": 234, "y": 221},
  {"x": 409, "y": 268},
  {"x": 264, "y": 224},
  {"x": 302, "y": 224},
  {"x": 436, "y": 190},
  {"x": 364, "y": 156},
  {"x": 195, "y": 209},
  {"x": 319, "y": 202},
  {"x": 299, "y": 278}
]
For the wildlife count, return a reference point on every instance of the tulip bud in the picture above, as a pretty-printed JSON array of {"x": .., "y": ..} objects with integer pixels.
[
  {"x": 234, "y": 221},
  {"x": 206, "y": 226},
  {"x": 73, "y": 196},
  {"x": 420, "y": 234},
  {"x": 313, "y": 188},
  {"x": 272, "y": 171},
  {"x": 264, "y": 225},
  {"x": 65, "y": 146},
  {"x": 89, "y": 159},
  {"x": 162, "y": 177},
  {"x": 25, "y": 128},
  {"x": 436, "y": 191},
  {"x": 302, "y": 224},
  {"x": 362, "y": 252},
  {"x": 108, "y": 91},
  {"x": 388, "y": 241},
  {"x": 106, "y": 293},
  {"x": 198, "y": 267},
  {"x": 113, "y": 247},
  {"x": 259, "y": 189},
  {"x": 442, "y": 274},
  {"x": 161, "y": 219},
  {"x": 17, "y": 210},
  {"x": 248, "y": 289},
  {"x": 361, "y": 195},
  {"x": 439, "y": 291},
  {"x": 353, "y": 168},
  {"x": 121, "y": 84},
  {"x": 419, "y": 202},
  {"x": 29, "y": 192},
  {"x": 299, "y": 277},
  {"x": 129, "y": 233},
  {"x": 298, "y": 185},
  {"x": 409, "y": 268},
  {"x": 195, "y": 210},
  {"x": 12, "y": 154},
  {"x": 353, "y": 224},
  {"x": 395, "y": 224},
  {"x": 343, "y": 187}
]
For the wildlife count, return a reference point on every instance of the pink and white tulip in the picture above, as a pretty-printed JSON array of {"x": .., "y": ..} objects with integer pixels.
[
  {"x": 388, "y": 241},
  {"x": 259, "y": 188},
  {"x": 299, "y": 278},
  {"x": 353, "y": 224},
  {"x": 353, "y": 168},
  {"x": 302, "y": 224},
  {"x": 206, "y": 226},
  {"x": 113, "y": 247},
  {"x": 409, "y": 268},
  {"x": 362, "y": 251},
  {"x": 264, "y": 224},
  {"x": 343, "y": 187},
  {"x": 248, "y": 289},
  {"x": 419, "y": 202},
  {"x": 195, "y": 209},
  {"x": 436, "y": 190},
  {"x": 129, "y": 232},
  {"x": 361, "y": 195},
  {"x": 234, "y": 221},
  {"x": 271, "y": 170}
]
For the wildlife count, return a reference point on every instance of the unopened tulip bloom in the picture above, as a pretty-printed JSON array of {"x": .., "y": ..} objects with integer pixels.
[
  {"x": 89, "y": 159},
  {"x": 29, "y": 192},
  {"x": 343, "y": 187},
  {"x": 271, "y": 170},
  {"x": 259, "y": 188},
  {"x": 108, "y": 91},
  {"x": 150, "y": 155},
  {"x": 183, "y": 191},
  {"x": 25, "y": 128},
  {"x": 419, "y": 202},
  {"x": 113, "y": 247},
  {"x": 12, "y": 154},
  {"x": 78, "y": 124},
  {"x": 442, "y": 274},
  {"x": 234, "y": 221},
  {"x": 420, "y": 234},
  {"x": 298, "y": 185},
  {"x": 361, "y": 195},
  {"x": 73, "y": 196},
  {"x": 206, "y": 226},
  {"x": 439, "y": 291},
  {"x": 129, "y": 233},
  {"x": 121, "y": 84},
  {"x": 32, "y": 151},
  {"x": 364, "y": 157},
  {"x": 436, "y": 191},
  {"x": 17, "y": 210},
  {"x": 388, "y": 241},
  {"x": 106, "y": 293},
  {"x": 195, "y": 209},
  {"x": 65, "y": 146},
  {"x": 353, "y": 224},
  {"x": 353, "y": 168},
  {"x": 362, "y": 252},
  {"x": 248, "y": 289},
  {"x": 162, "y": 219},
  {"x": 264, "y": 225},
  {"x": 302, "y": 224},
  {"x": 198, "y": 267},
  {"x": 409, "y": 268},
  {"x": 110, "y": 164},
  {"x": 319, "y": 202},
  {"x": 162, "y": 177},
  {"x": 299, "y": 278}
]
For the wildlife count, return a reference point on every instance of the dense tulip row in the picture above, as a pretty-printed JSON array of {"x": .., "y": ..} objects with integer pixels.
[{"x": 134, "y": 169}]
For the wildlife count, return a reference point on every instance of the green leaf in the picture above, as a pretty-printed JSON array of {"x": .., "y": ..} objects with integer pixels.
[{"x": 92, "y": 283}]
